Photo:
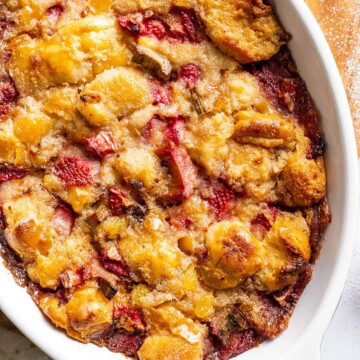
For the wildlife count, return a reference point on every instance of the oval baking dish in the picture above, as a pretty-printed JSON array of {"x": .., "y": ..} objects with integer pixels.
[{"x": 317, "y": 305}]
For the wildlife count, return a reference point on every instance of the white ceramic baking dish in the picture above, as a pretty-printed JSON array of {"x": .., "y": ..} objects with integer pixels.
[{"x": 303, "y": 338}]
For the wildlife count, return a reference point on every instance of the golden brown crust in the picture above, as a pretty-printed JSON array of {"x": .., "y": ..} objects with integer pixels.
[{"x": 247, "y": 30}]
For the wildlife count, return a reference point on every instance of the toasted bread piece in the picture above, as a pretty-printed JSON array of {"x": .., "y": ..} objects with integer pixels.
[{"x": 245, "y": 29}]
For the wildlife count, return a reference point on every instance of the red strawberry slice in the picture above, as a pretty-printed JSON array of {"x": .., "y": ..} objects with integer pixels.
[
  {"x": 182, "y": 170},
  {"x": 119, "y": 201},
  {"x": 63, "y": 220},
  {"x": 161, "y": 94},
  {"x": 76, "y": 171},
  {"x": 219, "y": 196},
  {"x": 155, "y": 28},
  {"x": 101, "y": 145},
  {"x": 10, "y": 172},
  {"x": 190, "y": 74}
]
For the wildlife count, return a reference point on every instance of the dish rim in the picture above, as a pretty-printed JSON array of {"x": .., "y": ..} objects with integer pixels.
[{"x": 334, "y": 289}]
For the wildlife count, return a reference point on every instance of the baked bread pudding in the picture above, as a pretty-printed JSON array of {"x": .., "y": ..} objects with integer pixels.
[{"x": 162, "y": 185}]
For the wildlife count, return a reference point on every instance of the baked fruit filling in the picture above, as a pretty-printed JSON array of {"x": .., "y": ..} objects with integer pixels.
[{"x": 162, "y": 185}]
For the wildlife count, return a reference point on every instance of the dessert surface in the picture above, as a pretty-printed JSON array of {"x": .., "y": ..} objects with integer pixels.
[{"x": 162, "y": 181}]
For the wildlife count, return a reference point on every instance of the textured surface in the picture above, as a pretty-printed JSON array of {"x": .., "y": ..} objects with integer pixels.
[{"x": 340, "y": 21}]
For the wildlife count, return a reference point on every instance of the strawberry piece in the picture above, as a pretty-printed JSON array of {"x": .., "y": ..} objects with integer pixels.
[
  {"x": 119, "y": 201},
  {"x": 54, "y": 13},
  {"x": 190, "y": 74},
  {"x": 220, "y": 198},
  {"x": 175, "y": 130},
  {"x": 63, "y": 220},
  {"x": 161, "y": 94},
  {"x": 154, "y": 28},
  {"x": 10, "y": 172},
  {"x": 75, "y": 171},
  {"x": 117, "y": 267},
  {"x": 101, "y": 145},
  {"x": 182, "y": 170},
  {"x": 132, "y": 317},
  {"x": 8, "y": 95}
]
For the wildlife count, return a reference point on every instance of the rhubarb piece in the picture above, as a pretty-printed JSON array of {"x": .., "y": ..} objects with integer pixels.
[
  {"x": 74, "y": 171},
  {"x": 63, "y": 220},
  {"x": 108, "y": 291},
  {"x": 117, "y": 267},
  {"x": 101, "y": 145},
  {"x": 159, "y": 129},
  {"x": 197, "y": 102},
  {"x": 155, "y": 63},
  {"x": 119, "y": 201},
  {"x": 182, "y": 170},
  {"x": 10, "y": 172},
  {"x": 219, "y": 196},
  {"x": 153, "y": 132},
  {"x": 180, "y": 25}
]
